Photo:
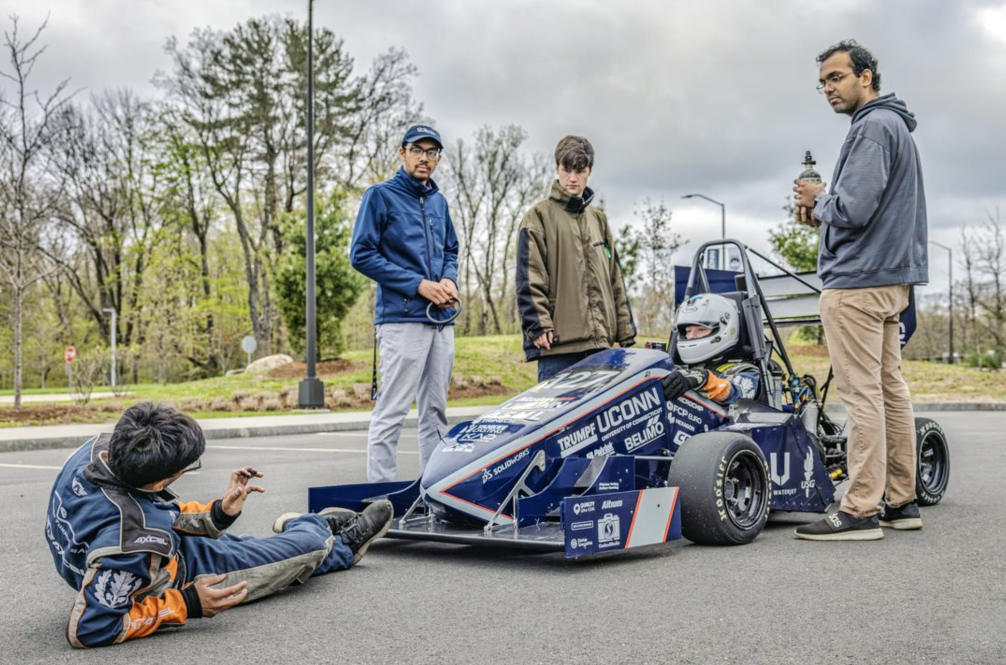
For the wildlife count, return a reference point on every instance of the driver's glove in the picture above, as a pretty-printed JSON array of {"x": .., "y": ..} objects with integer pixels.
[{"x": 678, "y": 382}]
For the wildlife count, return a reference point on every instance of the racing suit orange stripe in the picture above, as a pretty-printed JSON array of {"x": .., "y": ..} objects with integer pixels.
[
  {"x": 717, "y": 388},
  {"x": 146, "y": 617},
  {"x": 195, "y": 506}
]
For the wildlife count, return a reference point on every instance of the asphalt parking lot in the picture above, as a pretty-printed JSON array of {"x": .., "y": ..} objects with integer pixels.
[{"x": 933, "y": 596}]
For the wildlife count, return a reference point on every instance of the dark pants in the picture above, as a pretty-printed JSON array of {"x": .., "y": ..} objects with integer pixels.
[{"x": 549, "y": 366}]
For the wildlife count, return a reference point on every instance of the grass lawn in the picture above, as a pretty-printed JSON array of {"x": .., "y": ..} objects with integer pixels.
[{"x": 487, "y": 370}]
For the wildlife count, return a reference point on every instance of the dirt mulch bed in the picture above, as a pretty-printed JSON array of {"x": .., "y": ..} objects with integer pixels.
[
  {"x": 324, "y": 368},
  {"x": 30, "y": 414}
]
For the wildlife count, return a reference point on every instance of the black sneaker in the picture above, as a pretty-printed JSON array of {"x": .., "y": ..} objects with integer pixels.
[
  {"x": 337, "y": 519},
  {"x": 905, "y": 518},
  {"x": 367, "y": 527},
  {"x": 842, "y": 526}
]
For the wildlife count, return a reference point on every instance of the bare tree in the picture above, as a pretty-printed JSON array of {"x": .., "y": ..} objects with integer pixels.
[
  {"x": 27, "y": 201},
  {"x": 652, "y": 245},
  {"x": 492, "y": 185}
]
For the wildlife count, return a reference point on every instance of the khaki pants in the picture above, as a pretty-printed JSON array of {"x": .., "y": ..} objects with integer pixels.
[{"x": 863, "y": 333}]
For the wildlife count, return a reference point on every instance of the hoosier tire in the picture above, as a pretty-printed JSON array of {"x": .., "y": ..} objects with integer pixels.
[
  {"x": 725, "y": 488},
  {"x": 932, "y": 457}
]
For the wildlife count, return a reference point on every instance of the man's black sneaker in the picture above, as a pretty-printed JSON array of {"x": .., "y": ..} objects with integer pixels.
[
  {"x": 367, "y": 527},
  {"x": 905, "y": 518},
  {"x": 337, "y": 518},
  {"x": 842, "y": 526}
]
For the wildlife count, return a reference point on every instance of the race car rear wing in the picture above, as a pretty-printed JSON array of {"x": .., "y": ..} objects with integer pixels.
[{"x": 790, "y": 298}]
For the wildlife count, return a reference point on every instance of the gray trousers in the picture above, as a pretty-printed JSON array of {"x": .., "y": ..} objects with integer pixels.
[{"x": 416, "y": 364}]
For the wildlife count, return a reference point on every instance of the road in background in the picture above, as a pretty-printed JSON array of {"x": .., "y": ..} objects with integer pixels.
[{"x": 934, "y": 596}]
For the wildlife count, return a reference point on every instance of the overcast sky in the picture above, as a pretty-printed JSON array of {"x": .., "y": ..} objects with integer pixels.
[{"x": 715, "y": 97}]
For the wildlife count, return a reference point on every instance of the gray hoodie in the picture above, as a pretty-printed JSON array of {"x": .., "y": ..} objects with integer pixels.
[{"x": 873, "y": 221}]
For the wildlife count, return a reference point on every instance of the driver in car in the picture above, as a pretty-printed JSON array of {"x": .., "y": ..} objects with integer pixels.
[{"x": 708, "y": 328}]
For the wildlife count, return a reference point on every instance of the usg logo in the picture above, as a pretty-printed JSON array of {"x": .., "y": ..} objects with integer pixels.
[
  {"x": 808, "y": 474},
  {"x": 609, "y": 504}
]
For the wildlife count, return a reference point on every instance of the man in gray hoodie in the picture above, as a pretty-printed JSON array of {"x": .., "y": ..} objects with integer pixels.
[{"x": 873, "y": 249}]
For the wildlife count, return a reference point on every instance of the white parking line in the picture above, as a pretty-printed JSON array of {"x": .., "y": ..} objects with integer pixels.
[
  {"x": 362, "y": 451},
  {"x": 30, "y": 466},
  {"x": 363, "y": 434}
]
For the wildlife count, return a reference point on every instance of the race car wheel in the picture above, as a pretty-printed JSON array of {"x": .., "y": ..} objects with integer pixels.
[
  {"x": 725, "y": 491},
  {"x": 932, "y": 454}
]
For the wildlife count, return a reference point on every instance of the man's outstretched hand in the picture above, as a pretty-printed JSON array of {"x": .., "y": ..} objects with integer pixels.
[
  {"x": 216, "y": 600},
  {"x": 238, "y": 490},
  {"x": 678, "y": 382}
]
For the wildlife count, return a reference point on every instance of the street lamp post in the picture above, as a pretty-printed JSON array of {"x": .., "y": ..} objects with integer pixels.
[
  {"x": 311, "y": 391},
  {"x": 723, "y": 224},
  {"x": 950, "y": 303},
  {"x": 114, "y": 336}
]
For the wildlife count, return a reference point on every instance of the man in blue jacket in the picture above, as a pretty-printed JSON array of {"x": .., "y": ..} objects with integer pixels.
[
  {"x": 404, "y": 240},
  {"x": 872, "y": 250}
]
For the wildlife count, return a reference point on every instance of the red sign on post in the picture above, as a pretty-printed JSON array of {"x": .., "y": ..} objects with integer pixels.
[{"x": 70, "y": 354}]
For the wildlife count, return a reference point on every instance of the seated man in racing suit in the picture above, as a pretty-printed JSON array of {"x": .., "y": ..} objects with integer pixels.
[
  {"x": 708, "y": 328},
  {"x": 140, "y": 559}
]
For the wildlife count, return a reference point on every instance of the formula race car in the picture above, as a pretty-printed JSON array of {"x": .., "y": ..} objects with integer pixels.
[{"x": 595, "y": 459}]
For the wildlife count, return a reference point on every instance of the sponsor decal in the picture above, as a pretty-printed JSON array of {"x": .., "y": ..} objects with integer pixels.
[
  {"x": 577, "y": 440},
  {"x": 808, "y": 474},
  {"x": 582, "y": 543},
  {"x": 609, "y": 487},
  {"x": 583, "y": 507},
  {"x": 476, "y": 433},
  {"x": 606, "y": 450},
  {"x": 490, "y": 473},
  {"x": 580, "y": 526},
  {"x": 683, "y": 413},
  {"x": 610, "y": 504},
  {"x": 608, "y": 530},
  {"x": 680, "y": 437},
  {"x": 150, "y": 540},
  {"x": 655, "y": 429},
  {"x": 628, "y": 409},
  {"x": 779, "y": 478}
]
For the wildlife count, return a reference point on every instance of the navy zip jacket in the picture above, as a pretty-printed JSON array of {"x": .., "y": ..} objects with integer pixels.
[
  {"x": 403, "y": 235},
  {"x": 873, "y": 221}
]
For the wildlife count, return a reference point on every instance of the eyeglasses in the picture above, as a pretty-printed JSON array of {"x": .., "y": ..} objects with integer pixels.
[
  {"x": 832, "y": 80},
  {"x": 195, "y": 466},
  {"x": 432, "y": 153}
]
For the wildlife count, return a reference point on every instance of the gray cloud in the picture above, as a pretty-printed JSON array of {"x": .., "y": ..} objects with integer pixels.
[{"x": 715, "y": 97}]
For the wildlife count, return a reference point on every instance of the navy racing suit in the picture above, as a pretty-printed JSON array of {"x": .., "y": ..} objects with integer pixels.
[{"x": 133, "y": 555}]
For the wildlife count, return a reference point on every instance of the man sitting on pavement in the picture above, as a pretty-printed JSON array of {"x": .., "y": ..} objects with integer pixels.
[
  {"x": 140, "y": 559},
  {"x": 708, "y": 331}
]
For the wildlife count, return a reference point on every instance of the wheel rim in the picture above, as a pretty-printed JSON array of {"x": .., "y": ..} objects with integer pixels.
[
  {"x": 744, "y": 489},
  {"x": 933, "y": 466}
]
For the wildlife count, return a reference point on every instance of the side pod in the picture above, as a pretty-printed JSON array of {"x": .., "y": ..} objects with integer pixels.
[{"x": 620, "y": 520}]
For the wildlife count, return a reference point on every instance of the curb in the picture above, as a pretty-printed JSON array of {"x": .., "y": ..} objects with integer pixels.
[
  {"x": 77, "y": 440},
  {"x": 74, "y": 441}
]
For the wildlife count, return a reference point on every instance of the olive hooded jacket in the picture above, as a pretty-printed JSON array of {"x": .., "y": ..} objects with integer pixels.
[{"x": 568, "y": 277}]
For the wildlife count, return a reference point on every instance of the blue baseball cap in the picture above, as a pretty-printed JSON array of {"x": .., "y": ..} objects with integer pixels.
[{"x": 419, "y": 132}]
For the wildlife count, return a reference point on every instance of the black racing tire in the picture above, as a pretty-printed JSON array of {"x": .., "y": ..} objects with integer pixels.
[
  {"x": 932, "y": 458},
  {"x": 725, "y": 488}
]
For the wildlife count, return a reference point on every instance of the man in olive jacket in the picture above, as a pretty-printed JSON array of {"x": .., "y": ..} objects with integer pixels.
[{"x": 570, "y": 291}]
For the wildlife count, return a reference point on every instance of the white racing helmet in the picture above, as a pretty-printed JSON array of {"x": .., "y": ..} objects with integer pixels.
[{"x": 712, "y": 311}]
